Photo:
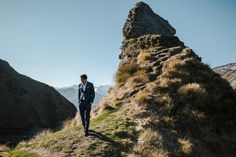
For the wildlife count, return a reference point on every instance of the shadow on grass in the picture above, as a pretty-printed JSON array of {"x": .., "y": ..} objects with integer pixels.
[
  {"x": 104, "y": 138},
  {"x": 12, "y": 137},
  {"x": 12, "y": 140}
]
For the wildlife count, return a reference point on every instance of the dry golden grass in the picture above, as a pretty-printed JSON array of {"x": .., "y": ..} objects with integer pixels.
[
  {"x": 142, "y": 98},
  {"x": 173, "y": 64},
  {"x": 193, "y": 94},
  {"x": 150, "y": 144},
  {"x": 168, "y": 119},
  {"x": 76, "y": 120},
  {"x": 143, "y": 56},
  {"x": 186, "y": 146},
  {"x": 68, "y": 123},
  {"x": 168, "y": 82},
  {"x": 42, "y": 133},
  {"x": 193, "y": 88},
  {"x": 125, "y": 71},
  {"x": 178, "y": 62},
  {"x": 4, "y": 148},
  {"x": 139, "y": 77}
]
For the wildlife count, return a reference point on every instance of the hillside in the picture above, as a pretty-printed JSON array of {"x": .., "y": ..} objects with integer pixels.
[
  {"x": 27, "y": 105},
  {"x": 71, "y": 93},
  {"x": 228, "y": 72},
  {"x": 165, "y": 102}
]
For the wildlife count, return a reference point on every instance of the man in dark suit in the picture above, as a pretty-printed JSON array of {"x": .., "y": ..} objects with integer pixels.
[{"x": 86, "y": 96}]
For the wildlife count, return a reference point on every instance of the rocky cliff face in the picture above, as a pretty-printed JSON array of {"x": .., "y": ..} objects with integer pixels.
[
  {"x": 228, "y": 72},
  {"x": 165, "y": 101},
  {"x": 142, "y": 21},
  {"x": 26, "y": 104}
]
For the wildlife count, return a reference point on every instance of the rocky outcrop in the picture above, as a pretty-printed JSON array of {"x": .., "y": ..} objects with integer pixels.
[
  {"x": 227, "y": 72},
  {"x": 26, "y": 104},
  {"x": 176, "y": 101},
  {"x": 165, "y": 102},
  {"x": 142, "y": 21}
]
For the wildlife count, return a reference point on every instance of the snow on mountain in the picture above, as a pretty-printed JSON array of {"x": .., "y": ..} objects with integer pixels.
[{"x": 71, "y": 93}]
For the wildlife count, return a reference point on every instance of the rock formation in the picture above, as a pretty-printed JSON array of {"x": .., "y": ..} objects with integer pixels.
[
  {"x": 26, "y": 104},
  {"x": 142, "y": 21},
  {"x": 165, "y": 101}
]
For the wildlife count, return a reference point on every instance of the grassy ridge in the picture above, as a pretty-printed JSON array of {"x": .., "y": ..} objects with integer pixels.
[{"x": 108, "y": 135}]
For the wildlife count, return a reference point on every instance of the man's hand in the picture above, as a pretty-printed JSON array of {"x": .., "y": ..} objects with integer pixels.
[{"x": 92, "y": 93}]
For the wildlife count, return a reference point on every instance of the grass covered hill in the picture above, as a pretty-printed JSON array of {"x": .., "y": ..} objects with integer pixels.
[{"x": 165, "y": 102}]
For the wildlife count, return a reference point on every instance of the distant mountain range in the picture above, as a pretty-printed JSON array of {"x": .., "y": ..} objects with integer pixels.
[
  {"x": 228, "y": 72},
  {"x": 71, "y": 93}
]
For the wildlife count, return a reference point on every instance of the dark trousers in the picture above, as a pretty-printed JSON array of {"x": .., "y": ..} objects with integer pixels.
[{"x": 85, "y": 108}]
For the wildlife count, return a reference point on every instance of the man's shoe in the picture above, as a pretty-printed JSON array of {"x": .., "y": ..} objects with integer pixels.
[{"x": 86, "y": 133}]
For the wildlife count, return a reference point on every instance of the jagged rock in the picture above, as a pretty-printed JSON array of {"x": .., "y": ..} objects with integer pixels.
[
  {"x": 26, "y": 104},
  {"x": 142, "y": 21},
  {"x": 180, "y": 108}
]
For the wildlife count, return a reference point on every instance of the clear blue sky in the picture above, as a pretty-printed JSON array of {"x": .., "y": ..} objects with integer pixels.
[{"x": 54, "y": 41}]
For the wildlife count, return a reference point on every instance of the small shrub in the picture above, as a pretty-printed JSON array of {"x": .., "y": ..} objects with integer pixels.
[
  {"x": 191, "y": 88},
  {"x": 179, "y": 63},
  {"x": 142, "y": 98},
  {"x": 193, "y": 94},
  {"x": 173, "y": 65},
  {"x": 168, "y": 82},
  {"x": 125, "y": 71},
  {"x": 144, "y": 56},
  {"x": 150, "y": 144},
  {"x": 186, "y": 146},
  {"x": 140, "y": 77}
]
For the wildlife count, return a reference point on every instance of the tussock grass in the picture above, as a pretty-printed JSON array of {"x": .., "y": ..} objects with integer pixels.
[
  {"x": 139, "y": 77},
  {"x": 149, "y": 143},
  {"x": 144, "y": 56},
  {"x": 186, "y": 146},
  {"x": 193, "y": 93},
  {"x": 184, "y": 110},
  {"x": 125, "y": 71},
  {"x": 142, "y": 98}
]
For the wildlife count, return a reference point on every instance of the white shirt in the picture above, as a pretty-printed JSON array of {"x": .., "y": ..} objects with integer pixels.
[{"x": 82, "y": 94}]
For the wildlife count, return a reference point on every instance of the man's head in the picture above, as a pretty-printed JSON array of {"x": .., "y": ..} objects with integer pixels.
[{"x": 83, "y": 78}]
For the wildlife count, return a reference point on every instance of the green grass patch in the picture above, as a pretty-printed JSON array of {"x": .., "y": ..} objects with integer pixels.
[
  {"x": 16, "y": 153},
  {"x": 112, "y": 134}
]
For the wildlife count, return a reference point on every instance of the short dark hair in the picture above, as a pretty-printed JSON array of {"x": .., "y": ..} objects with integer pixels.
[{"x": 84, "y": 76}]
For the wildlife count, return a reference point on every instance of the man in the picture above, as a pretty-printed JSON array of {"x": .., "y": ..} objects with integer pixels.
[{"x": 86, "y": 96}]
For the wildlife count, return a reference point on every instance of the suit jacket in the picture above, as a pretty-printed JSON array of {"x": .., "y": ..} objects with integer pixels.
[{"x": 89, "y": 93}]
